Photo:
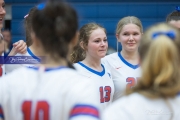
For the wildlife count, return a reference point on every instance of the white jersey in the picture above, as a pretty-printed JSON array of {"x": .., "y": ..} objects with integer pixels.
[
  {"x": 29, "y": 57},
  {"x": 124, "y": 74},
  {"x": 103, "y": 81},
  {"x": 56, "y": 94},
  {"x": 2, "y": 66},
  {"x": 138, "y": 107},
  {"x": 2, "y": 70}
]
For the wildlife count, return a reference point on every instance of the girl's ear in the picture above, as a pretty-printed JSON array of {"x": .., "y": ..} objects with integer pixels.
[
  {"x": 81, "y": 44},
  {"x": 117, "y": 37}
]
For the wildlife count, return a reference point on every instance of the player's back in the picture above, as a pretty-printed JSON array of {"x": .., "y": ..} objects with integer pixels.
[
  {"x": 138, "y": 107},
  {"x": 59, "y": 93}
]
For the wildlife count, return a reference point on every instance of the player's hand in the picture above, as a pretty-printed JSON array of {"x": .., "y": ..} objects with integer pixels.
[{"x": 18, "y": 47}]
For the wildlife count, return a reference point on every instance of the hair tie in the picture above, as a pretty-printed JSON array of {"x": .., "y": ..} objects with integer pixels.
[
  {"x": 178, "y": 8},
  {"x": 41, "y": 6},
  {"x": 26, "y": 16},
  {"x": 170, "y": 34}
]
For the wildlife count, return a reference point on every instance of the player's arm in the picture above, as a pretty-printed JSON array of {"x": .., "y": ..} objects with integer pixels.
[
  {"x": 86, "y": 101},
  {"x": 1, "y": 113},
  {"x": 18, "y": 47},
  {"x": 1, "y": 98},
  {"x": 85, "y": 112}
]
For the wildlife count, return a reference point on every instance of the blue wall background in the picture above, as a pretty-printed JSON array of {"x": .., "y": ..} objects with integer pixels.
[{"x": 104, "y": 12}]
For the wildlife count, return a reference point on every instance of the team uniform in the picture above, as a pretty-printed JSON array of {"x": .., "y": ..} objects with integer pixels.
[
  {"x": 28, "y": 57},
  {"x": 138, "y": 107},
  {"x": 55, "y": 94},
  {"x": 2, "y": 69},
  {"x": 124, "y": 74},
  {"x": 103, "y": 81}
]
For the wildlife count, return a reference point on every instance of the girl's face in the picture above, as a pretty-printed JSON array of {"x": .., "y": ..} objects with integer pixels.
[
  {"x": 97, "y": 44},
  {"x": 2, "y": 12},
  {"x": 129, "y": 37}
]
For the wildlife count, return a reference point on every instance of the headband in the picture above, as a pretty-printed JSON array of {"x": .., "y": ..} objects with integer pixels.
[
  {"x": 170, "y": 34},
  {"x": 178, "y": 8},
  {"x": 41, "y": 6}
]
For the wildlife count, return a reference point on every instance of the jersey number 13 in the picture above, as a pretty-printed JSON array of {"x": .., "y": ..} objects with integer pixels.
[{"x": 107, "y": 91}]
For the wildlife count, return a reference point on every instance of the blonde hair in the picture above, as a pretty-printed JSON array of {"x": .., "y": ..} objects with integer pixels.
[
  {"x": 160, "y": 63},
  {"x": 128, "y": 20}
]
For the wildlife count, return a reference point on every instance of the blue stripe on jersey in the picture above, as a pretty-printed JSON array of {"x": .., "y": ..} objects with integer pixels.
[
  {"x": 127, "y": 63},
  {"x": 32, "y": 55},
  {"x": 57, "y": 68},
  {"x": 93, "y": 71},
  {"x": 1, "y": 113},
  {"x": 84, "y": 110},
  {"x": 48, "y": 69}
]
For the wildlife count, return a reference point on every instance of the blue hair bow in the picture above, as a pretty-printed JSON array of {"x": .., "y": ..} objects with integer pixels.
[
  {"x": 170, "y": 34},
  {"x": 41, "y": 6},
  {"x": 178, "y": 8}
]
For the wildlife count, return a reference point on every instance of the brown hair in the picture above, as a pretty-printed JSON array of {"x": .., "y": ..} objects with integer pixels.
[
  {"x": 175, "y": 15},
  {"x": 55, "y": 24},
  {"x": 84, "y": 34},
  {"x": 28, "y": 26},
  {"x": 160, "y": 62}
]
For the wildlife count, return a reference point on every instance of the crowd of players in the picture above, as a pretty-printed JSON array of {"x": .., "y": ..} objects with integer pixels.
[{"x": 75, "y": 80}]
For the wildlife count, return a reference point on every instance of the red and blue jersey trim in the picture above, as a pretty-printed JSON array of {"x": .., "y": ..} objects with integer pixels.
[
  {"x": 84, "y": 110},
  {"x": 1, "y": 113}
]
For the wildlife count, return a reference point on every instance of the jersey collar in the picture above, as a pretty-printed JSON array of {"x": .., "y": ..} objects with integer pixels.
[
  {"x": 127, "y": 63},
  {"x": 93, "y": 71}
]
